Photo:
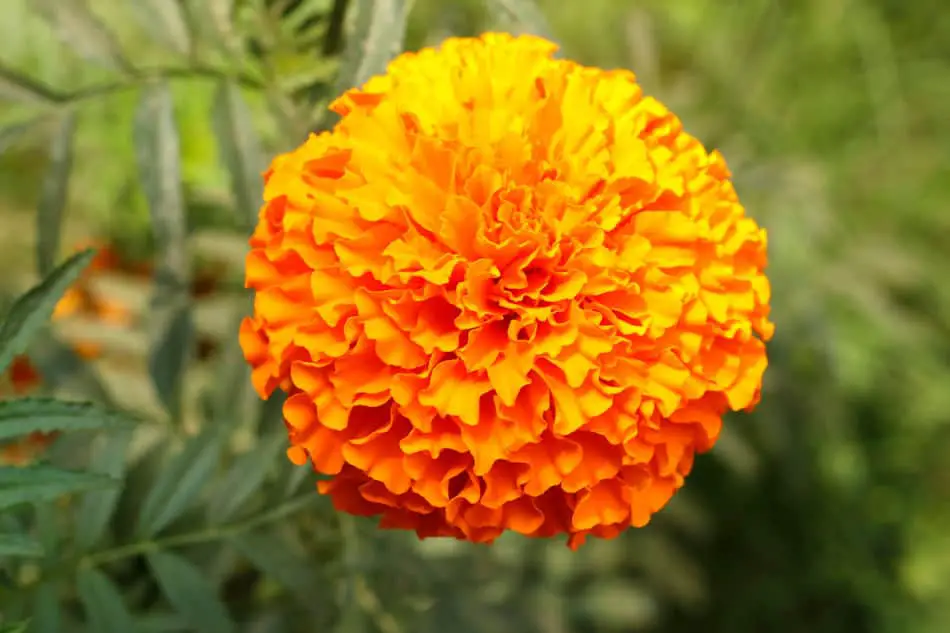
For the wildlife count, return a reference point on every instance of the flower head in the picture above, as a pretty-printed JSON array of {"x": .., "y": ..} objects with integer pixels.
[{"x": 505, "y": 292}]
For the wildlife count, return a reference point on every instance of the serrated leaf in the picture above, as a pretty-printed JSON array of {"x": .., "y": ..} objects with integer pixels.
[
  {"x": 34, "y": 484},
  {"x": 180, "y": 482},
  {"x": 20, "y": 546},
  {"x": 53, "y": 194},
  {"x": 521, "y": 16},
  {"x": 96, "y": 508},
  {"x": 77, "y": 27},
  {"x": 245, "y": 477},
  {"x": 43, "y": 415},
  {"x": 165, "y": 20},
  {"x": 189, "y": 593},
  {"x": 376, "y": 33},
  {"x": 19, "y": 88},
  {"x": 270, "y": 553},
  {"x": 101, "y": 600},
  {"x": 47, "y": 615},
  {"x": 32, "y": 310},
  {"x": 241, "y": 150},
  {"x": 158, "y": 155}
]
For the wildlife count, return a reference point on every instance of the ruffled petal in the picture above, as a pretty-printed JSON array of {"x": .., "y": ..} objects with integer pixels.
[{"x": 505, "y": 293}]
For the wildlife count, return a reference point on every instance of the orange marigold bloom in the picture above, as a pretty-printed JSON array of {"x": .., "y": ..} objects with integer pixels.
[{"x": 505, "y": 292}]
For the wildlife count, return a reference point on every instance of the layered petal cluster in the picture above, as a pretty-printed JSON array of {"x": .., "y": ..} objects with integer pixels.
[{"x": 505, "y": 292}]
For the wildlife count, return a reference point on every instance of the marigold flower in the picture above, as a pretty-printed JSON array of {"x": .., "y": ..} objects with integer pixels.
[
  {"x": 505, "y": 292},
  {"x": 20, "y": 379}
]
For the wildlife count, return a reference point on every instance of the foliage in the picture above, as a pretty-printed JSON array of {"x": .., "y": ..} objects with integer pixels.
[
  {"x": 151, "y": 120},
  {"x": 39, "y": 485}
]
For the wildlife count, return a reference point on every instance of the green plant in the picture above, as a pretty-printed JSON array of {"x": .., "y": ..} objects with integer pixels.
[
  {"x": 825, "y": 510},
  {"x": 27, "y": 493}
]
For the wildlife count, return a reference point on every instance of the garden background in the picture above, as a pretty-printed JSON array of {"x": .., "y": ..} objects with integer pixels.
[{"x": 826, "y": 510}]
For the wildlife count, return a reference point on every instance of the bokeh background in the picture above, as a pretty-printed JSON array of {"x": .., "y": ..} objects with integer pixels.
[{"x": 826, "y": 510}]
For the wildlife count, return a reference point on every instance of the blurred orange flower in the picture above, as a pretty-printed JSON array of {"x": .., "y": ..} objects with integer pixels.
[
  {"x": 506, "y": 292},
  {"x": 22, "y": 377}
]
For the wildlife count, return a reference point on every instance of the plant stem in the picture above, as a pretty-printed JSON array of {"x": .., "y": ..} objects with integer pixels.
[
  {"x": 144, "y": 75},
  {"x": 199, "y": 536}
]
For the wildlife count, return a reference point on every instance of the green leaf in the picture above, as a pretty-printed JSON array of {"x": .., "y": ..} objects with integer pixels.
[
  {"x": 31, "y": 311},
  {"x": 19, "y": 88},
  {"x": 11, "y": 134},
  {"x": 304, "y": 13},
  {"x": 59, "y": 364},
  {"x": 53, "y": 195},
  {"x": 521, "y": 16},
  {"x": 222, "y": 12},
  {"x": 77, "y": 27},
  {"x": 622, "y": 604},
  {"x": 160, "y": 623},
  {"x": 158, "y": 155},
  {"x": 240, "y": 148},
  {"x": 15, "y": 627},
  {"x": 103, "y": 604},
  {"x": 96, "y": 508},
  {"x": 299, "y": 70},
  {"x": 275, "y": 557},
  {"x": 218, "y": 16},
  {"x": 245, "y": 477},
  {"x": 171, "y": 347},
  {"x": 34, "y": 484},
  {"x": 736, "y": 453},
  {"x": 180, "y": 482},
  {"x": 47, "y": 615},
  {"x": 376, "y": 33},
  {"x": 231, "y": 399},
  {"x": 165, "y": 20},
  {"x": 19, "y": 545},
  {"x": 189, "y": 593},
  {"x": 46, "y": 517},
  {"x": 297, "y": 476},
  {"x": 43, "y": 415}
]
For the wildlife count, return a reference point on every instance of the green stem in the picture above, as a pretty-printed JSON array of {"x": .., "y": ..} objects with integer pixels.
[
  {"x": 199, "y": 536},
  {"x": 145, "y": 75}
]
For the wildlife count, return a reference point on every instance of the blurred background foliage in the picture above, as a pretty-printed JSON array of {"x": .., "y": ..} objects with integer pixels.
[{"x": 828, "y": 509}]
